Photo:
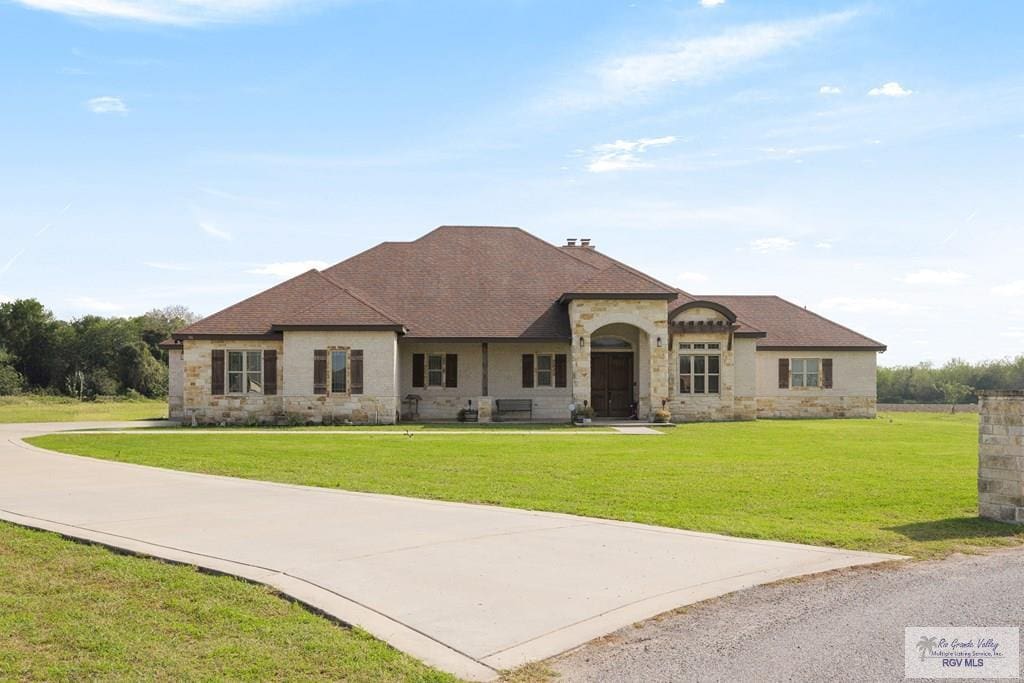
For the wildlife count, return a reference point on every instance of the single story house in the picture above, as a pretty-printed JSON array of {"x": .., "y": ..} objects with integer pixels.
[{"x": 502, "y": 322}]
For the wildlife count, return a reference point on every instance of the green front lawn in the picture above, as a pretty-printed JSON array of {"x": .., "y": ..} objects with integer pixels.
[
  {"x": 76, "y": 612},
  {"x": 903, "y": 483},
  {"x": 65, "y": 409}
]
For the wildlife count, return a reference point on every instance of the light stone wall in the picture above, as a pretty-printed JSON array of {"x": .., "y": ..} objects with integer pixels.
[
  {"x": 379, "y": 402},
  {"x": 705, "y": 407},
  {"x": 853, "y": 392},
  {"x": 443, "y": 403},
  {"x": 175, "y": 384},
  {"x": 231, "y": 408},
  {"x": 1001, "y": 456},
  {"x": 504, "y": 379},
  {"x": 587, "y": 316}
]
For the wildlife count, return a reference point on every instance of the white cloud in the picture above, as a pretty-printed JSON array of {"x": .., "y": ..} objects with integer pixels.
[
  {"x": 934, "y": 277},
  {"x": 829, "y": 90},
  {"x": 695, "y": 60},
  {"x": 824, "y": 244},
  {"x": 287, "y": 269},
  {"x": 213, "y": 231},
  {"x": 1015, "y": 288},
  {"x": 801, "y": 151},
  {"x": 772, "y": 245},
  {"x": 890, "y": 89},
  {"x": 711, "y": 3},
  {"x": 847, "y": 304},
  {"x": 107, "y": 105},
  {"x": 624, "y": 154},
  {"x": 182, "y": 12},
  {"x": 87, "y": 303},
  {"x": 161, "y": 265}
]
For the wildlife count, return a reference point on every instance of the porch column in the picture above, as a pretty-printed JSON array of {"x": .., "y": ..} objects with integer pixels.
[
  {"x": 658, "y": 380},
  {"x": 580, "y": 362}
]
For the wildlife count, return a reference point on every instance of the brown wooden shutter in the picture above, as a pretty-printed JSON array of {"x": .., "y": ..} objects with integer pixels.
[
  {"x": 418, "y": 372},
  {"x": 356, "y": 369},
  {"x": 217, "y": 370},
  {"x": 269, "y": 372},
  {"x": 826, "y": 373},
  {"x": 561, "y": 369},
  {"x": 451, "y": 370},
  {"x": 783, "y": 373},
  {"x": 527, "y": 370},
  {"x": 320, "y": 371}
]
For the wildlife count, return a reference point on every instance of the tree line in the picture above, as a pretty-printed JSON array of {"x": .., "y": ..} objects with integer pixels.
[
  {"x": 88, "y": 356},
  {"x": 955, "y": 382}
]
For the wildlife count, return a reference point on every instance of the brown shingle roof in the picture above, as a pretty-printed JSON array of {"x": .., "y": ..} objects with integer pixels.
[
  {"x": 790, "y": 326},
  {"x": 488, "y": 283},
  {"x": 470, "y": 282},
  {"x": 307, "y": 299},
  {"x": 617, "y": 280}
]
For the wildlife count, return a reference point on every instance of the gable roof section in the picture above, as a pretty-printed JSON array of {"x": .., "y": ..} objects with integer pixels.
[
  {"x": 344, "y": 310},
  {"x": 789, "y": 326},
  {"x": 298, "y": 301},
  {"x": 616, "y": 281}
]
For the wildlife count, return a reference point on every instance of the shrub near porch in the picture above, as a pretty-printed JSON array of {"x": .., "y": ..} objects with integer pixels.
[{"x": 902, "y": 483}]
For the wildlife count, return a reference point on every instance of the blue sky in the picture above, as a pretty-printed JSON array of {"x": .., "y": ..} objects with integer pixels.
[{"x": 862, "y": 159}]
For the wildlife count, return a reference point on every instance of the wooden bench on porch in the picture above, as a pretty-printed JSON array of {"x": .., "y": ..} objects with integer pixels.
[{"x": 504, "y": 406}]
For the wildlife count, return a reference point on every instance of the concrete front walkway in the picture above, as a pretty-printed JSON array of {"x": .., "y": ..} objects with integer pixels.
[{"x": 469, "y": 589}]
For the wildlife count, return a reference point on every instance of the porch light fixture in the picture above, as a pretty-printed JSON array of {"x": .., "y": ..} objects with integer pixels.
[
  {"x": 581, "y": 341},
  {"x": 659, "y": 342}
]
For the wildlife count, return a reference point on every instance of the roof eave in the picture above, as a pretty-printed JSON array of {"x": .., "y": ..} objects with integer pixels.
[
  {"x": 819, "y": 347},
  {"x": 341, "y": 327},
  {"x": 663, "y": 296}
]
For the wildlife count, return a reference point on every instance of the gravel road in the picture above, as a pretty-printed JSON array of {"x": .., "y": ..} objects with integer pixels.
[{"x": 844, "y": 626}]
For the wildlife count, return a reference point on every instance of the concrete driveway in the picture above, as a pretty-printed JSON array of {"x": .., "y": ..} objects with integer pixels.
[{"x": 469, "y": 589}]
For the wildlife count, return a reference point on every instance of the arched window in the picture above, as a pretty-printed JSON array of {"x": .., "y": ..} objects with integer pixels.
[{"x": 609, "y": 344}]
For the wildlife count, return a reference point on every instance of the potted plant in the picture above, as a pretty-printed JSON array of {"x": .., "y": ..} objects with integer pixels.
[
  {"x": 662, "y": 416},
  {"x": 584, "y": 415}
]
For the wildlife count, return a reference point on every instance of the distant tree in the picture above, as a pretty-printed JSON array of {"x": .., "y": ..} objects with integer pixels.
[
  {"x": 27, "y": 331},
  {"x": 138, "y": 370},
  {"x": 11, "y": 381},
  {"x": 159, "y": 323},
  {"x": 954, "y": 392}
]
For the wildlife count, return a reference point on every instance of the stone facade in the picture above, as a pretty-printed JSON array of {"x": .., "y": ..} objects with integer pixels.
[
  {"x": 488, "y": 372},
  {"x": 206, "y": 408},
  {"x": 650, "y": 318},
  {"x": 175, "y": 384},
  {"x": 1001, "y": 456}
]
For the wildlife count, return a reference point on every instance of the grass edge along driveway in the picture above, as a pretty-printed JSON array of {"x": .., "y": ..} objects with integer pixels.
[
  {"x": 70, "y": 611},
  {"x": 902, "y": 483}
]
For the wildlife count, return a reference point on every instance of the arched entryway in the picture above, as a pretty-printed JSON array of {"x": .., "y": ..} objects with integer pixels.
[{"x": 614, "y": 370}]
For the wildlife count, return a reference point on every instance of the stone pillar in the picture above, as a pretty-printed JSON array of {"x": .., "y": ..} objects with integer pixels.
[
  {"x": 1001, "y": 456},
  {"x": 485, "y": 409},
  {"x": 580, "y": 367}
]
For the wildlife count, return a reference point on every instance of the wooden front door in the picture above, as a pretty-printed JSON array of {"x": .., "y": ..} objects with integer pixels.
[{"x": 611, "y": 383}]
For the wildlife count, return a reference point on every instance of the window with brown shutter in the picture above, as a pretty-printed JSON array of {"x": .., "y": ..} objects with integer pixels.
[
  {"x": 826, "y": 373},
  {"x": 527, "y": 370},
  {"x": 356, "y": 370},
  {"x": 451, "y": 370},
  {"x": 783, "y": 373},
  {"x": 561, "y": 370},
  {"x": 217, "y": 370},
  {"x": 269, "y": 372},
  {"x": 320, "y": 371},
  {"x": 419, "y": 370}
]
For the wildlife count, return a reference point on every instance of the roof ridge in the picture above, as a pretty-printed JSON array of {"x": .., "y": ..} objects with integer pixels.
[
  {"x": 616, "y": 266},
  {"x": 821, "y": 317},
  {"x": 557, "y": 248},
  {"x": 358, "y": 296}
]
